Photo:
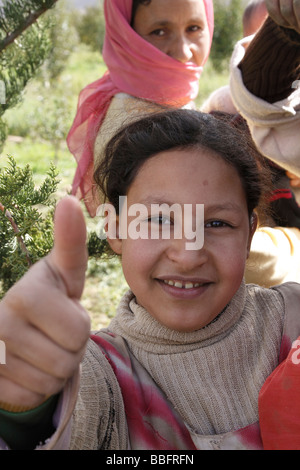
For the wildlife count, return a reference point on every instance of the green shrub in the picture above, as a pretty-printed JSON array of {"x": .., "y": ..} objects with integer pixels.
[{"x": 26, "y": 227}]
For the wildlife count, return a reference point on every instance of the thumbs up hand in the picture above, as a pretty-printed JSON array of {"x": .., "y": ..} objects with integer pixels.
[
  {"x": 42, "y": 323},
  {"x": 285, "y": 12}
]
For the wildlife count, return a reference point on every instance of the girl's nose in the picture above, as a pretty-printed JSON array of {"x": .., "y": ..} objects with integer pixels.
[
  {"x": 186, "y": 259},
  {"x": 181, "y": 49}
]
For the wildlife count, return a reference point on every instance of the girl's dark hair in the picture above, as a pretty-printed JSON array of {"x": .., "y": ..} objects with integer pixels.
[
  {"x": 135, "y": 5},
  {"x": 181, "y": 129}
]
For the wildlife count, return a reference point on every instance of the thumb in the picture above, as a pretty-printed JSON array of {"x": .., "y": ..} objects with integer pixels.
[{"x": 69, "y": 255}]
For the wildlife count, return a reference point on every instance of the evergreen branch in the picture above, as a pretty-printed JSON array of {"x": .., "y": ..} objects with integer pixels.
[
  {"x": 17, "y": 232},
  {"x": 29, "y": 21}
]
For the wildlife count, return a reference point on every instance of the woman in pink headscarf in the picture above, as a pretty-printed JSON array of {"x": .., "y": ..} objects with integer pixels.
[{"x": 154, "y": 51}]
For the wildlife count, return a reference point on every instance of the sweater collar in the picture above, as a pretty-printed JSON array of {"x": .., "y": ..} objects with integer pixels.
[{"x": 138, "y": 327}]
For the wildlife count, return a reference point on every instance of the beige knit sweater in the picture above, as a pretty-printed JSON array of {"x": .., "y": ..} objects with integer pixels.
[{"x": 212, "y": 377}]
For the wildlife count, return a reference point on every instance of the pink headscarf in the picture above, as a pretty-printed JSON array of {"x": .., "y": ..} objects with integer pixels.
[{"x": 135, "y": 67}]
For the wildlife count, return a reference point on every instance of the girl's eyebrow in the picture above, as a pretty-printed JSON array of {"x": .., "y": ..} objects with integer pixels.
[
  {"x": 156, "y": 200},
  {"x": 213, "y": 208},
  {"x": 226, "y": 206}
]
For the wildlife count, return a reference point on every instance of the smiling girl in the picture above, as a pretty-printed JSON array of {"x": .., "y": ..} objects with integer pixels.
[{"x": 182, "y": 364}]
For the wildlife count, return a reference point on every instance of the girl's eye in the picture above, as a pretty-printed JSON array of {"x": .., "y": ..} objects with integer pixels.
[
  {"x": 160, "y": 219},
  {"x": 216, "y": 224}
]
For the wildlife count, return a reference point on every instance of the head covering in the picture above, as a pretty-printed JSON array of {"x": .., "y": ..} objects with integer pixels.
[{"x": 135, "y": 67}]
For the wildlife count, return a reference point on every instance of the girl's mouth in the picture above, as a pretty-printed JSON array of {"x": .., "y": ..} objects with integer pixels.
[
  {"x": 182, "y": 284},
  {"x": 181, "y": 289}
]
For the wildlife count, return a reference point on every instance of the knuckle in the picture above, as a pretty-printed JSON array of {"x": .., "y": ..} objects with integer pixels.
[{"x": 18, "y": 300}]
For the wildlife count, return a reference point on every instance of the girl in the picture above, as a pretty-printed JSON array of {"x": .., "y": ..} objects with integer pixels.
[
  {"x": 154, "y": 51},
  {"x": 182, "y": 363}
]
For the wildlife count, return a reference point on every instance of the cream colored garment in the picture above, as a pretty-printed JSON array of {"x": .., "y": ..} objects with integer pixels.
[
  {"x": 274, "y": 127},
  {"x": 219, "y": 100},
  {"x": 274, "y": 256}
]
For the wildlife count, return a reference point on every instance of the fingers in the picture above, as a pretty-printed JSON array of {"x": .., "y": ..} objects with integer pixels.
[
  {"x": 286, "y": 13},
  {"x": 18, "y": 396},
  {"x": 39, "y": 360},
  {"x": 39, "y": 351},
  {"x": 38, "y": 300},
  {"x": 23, "y": 375}
]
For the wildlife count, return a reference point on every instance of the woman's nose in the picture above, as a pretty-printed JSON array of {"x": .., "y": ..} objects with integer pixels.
[{"x": 181, "y": 49}]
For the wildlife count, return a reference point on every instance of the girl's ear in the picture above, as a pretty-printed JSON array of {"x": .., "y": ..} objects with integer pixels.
[
  {"x": 253, "y": 227},
  {"x": 113, "y": 237}
]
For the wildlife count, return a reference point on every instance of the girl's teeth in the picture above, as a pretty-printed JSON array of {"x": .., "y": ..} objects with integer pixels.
[
  {"x": 181, "y": 285},
  {"x": 189, "y": 285}
]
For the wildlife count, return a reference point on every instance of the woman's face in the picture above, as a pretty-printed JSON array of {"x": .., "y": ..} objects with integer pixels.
[
  {"x": 184, "y": 288},
  {"x": 177, "y": 27}
]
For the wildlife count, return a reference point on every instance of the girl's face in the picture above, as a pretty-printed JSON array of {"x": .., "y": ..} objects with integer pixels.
[
  {"x": 176, "y": 27},
  {"x": 186, "y": 289}
]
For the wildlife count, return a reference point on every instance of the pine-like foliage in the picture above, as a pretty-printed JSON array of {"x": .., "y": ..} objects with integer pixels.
[
  {"x": 24, "y": 45},
  {"x": 26, "y": 220},
  {"x": 26, "y": 211}
]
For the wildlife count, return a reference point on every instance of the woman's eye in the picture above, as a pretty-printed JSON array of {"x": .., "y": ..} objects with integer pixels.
[
  {"x": 194, "y": 28},
  {"x": 158, "y": 32}
]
